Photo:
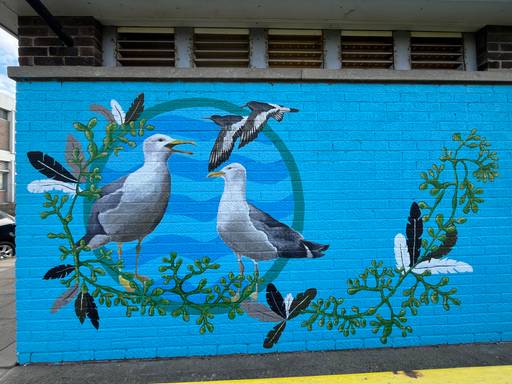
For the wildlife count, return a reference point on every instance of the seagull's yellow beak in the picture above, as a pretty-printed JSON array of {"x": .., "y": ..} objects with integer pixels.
[
  {"x": 216, "y": 174},
  {"x": 173, "y": 143}
]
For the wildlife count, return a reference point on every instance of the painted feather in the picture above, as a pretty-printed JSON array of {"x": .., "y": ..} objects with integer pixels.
[
  {"x": 413, "y": 231},
  {"x": 64, "y": 299},
  {"x": 446, "y": 246},
  {"x": 135, "y": 109},
  {"x": 117, "y": 112},
  {"x": 85, "y": 306},
  {"x": 300, "y": 303},
  {"x": 103, "y": 111},
  {"x": 288, "y": 300},
  {"x": 59, "y": 272},
  {"x": 275, "y": 301},
  {"x": 274, "y": 335},
  {"x": 401, "y": 253},
  {"x": 47, "y": 185},
  {"x": 72, "y": 145},
  {"x": 440, "y": 266},
  {"x": 50, "y": 167},
  {"x": 260, "y": 312}
]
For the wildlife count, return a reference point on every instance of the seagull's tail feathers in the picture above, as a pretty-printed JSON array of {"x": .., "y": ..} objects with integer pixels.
[{"x": 314, "y": 250}]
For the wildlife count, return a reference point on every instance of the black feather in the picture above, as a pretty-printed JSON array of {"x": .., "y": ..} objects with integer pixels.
[
  {"x": 301, "y": 302},
  {"x": 445, "y": 247},
  {"x": 85, "y": 306},
  {"x": 274, "y": 335},
  {"x": 50, "y": 167},
  {"x": 135, "y": 110},
  {"x": 59, "y": 272},
  {"x": 275, "y": 301},
  {"x": 414, "y": 230}
]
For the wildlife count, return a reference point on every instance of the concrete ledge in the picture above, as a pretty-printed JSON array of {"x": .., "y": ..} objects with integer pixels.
[
  {"x": 265, "y": 366},
  {"x": 62, "y": 73}
]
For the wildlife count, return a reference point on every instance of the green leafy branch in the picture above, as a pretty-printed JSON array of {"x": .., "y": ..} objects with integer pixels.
[{"x": 386, "y": 282}]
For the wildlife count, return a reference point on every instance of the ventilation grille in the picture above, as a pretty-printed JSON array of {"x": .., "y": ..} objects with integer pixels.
[
  {"x": 437, "y": 51},
  {"x": 295, "y": 49},
  {"x": 221, "y": 47},
  {"x": 366, "y": 49},
  {"x": 145, "y": 47}
]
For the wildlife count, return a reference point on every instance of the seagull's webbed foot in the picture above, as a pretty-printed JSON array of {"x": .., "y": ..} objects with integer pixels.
[{"x": 125, "y": 283}]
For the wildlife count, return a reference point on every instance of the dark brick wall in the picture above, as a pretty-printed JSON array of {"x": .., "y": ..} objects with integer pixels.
[
  {"x": 38, "y": 45},
  {"x": 494, "y": 48}
]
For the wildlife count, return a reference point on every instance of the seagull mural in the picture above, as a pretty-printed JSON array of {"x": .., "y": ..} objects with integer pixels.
[
  {"x": 250, "y": 232},
  {"x": 131, "y": 207},
  {"x": 245, "y": 128}
]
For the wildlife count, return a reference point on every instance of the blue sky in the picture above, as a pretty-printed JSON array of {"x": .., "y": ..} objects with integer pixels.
[{"x": 8, "y": 56}]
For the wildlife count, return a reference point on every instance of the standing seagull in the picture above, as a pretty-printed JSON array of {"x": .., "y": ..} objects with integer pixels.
[
  {"x": 250, "y": 232},
  {"x": 131, "y": 207},
  {"x": 259, "y": 116},
  {"x": 230, "y": 131}
]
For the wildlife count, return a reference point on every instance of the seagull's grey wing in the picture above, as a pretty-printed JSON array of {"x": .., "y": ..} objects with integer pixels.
[
  {"x": 253, "y": 126},
  {"x": 258, "y": 106},
  {"x": 110, "y": 197},
  {"x": 222, "y": 148},
  {"x": 289, "y": 243}
]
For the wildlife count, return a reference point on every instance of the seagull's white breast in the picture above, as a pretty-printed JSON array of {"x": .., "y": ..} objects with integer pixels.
[{"x": 237, "y": 231}]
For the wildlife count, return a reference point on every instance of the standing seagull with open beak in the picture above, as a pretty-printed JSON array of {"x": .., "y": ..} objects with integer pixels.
[
  {"x": 250, "y": 232},
  {"x": 131, "y": 207}
]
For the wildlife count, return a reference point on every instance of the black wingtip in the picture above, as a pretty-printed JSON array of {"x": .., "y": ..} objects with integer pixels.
[{"x": 294, "y": 110}]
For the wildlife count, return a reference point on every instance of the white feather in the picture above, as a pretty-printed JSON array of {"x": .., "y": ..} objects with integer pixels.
[
  {"x": 402, "y": 256},
  {"x": 46, "y": 185},
  {"x": 287, "y": 303},
  {"x": 117, "y": 112},
  {"x": 438, "y": 266}
]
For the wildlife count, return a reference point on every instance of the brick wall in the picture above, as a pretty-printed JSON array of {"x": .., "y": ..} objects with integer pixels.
[
  {"x": 494, "y": 47},
  {"x": 38, "y": 45},
  {"x": 344, "y": 171}
]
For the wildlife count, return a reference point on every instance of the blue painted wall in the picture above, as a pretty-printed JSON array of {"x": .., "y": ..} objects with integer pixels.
[{"x": 359, "y": 150}]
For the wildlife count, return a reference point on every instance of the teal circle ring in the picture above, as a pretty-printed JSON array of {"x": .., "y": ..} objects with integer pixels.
[
  {"x": 291, "y": 165},
  {"x": 293, "y": 170}
]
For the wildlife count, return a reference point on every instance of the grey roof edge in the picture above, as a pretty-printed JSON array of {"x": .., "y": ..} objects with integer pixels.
[{"x": 82, "y": 73}]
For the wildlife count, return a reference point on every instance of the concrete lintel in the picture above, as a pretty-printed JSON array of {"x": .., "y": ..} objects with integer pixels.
[{"x": 58, "y": 73}]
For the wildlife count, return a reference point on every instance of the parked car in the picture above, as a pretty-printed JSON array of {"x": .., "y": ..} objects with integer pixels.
[{"x": 7, "y": 235}]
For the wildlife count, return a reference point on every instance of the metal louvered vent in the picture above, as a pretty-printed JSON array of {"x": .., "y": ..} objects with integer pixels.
[
  {"x": 437, "y": 50},
  {"x": 221, "y": 47},
  {"x": 366, "y": 49},
  {"x": 295, "y": 48},
  {"x": 145, "y": 47}
]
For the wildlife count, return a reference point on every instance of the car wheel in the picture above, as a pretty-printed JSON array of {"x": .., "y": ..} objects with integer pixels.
[{"x": 6, "y": 250}]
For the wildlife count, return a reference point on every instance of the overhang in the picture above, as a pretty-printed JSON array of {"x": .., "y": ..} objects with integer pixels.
[{"x": 422, "y": 15}]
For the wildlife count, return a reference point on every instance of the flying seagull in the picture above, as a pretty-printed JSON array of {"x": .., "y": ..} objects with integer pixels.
[
  {"x": 246, "y": 128},
  {"x": 131, "y": 207},
  {"x": 259, "y": 116},
  {"x": 250, "y": 232},
  {"x": 231, "y": 126}
]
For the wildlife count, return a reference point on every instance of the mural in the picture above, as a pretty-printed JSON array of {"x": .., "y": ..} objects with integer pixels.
[{"x": 131, "y": 207}]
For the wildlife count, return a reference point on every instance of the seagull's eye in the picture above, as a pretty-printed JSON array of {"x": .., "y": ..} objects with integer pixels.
[{"x": 160, "y": 139}]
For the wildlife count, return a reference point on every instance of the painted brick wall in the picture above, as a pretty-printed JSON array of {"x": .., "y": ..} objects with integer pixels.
[{"x": 344, "y": 170}]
